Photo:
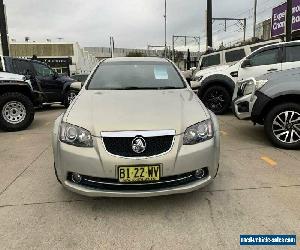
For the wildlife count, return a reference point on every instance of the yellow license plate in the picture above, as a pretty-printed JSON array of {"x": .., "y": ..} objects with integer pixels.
[{"x": 139, "y": 174}]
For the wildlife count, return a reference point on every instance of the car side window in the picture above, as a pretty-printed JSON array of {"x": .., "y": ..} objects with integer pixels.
[
  {"x": 235, "y": 55},
  {"x": 292, "y": 53},
  {"x": 22, "y": 67},
  {"x": 211, "y": 60},
  {"x": 42, "y": 70},
  {"x": 266, "y": 57}
]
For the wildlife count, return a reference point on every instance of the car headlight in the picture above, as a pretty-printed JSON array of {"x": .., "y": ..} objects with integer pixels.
[
  {"x": 74, "y": 135},
  {"x": 248, "y": 88},
  {"x": 197, "y": 78},
  {"x": 260, "y": 84},
  {"x": 198, "y": 132}
]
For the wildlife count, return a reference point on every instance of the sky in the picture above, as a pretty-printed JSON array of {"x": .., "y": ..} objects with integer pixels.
[{"x": 132, "y": 23}]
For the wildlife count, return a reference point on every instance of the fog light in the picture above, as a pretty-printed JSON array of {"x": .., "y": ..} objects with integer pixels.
[
  {"x": 200, "y": 173},
  {"x": 76, "y": 178}
]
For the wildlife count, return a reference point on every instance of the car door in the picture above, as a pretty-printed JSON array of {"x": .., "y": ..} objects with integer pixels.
[
  {"x": 49, "y": 82},
  {"x": 262, "y": 62},
  {"x": 291, "y": 56}
]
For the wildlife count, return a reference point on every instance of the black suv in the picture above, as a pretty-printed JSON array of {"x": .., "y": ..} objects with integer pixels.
[{"x": 52, "y": 86}]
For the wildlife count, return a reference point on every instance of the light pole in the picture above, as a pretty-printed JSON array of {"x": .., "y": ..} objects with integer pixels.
[
  {"x": 254, "y": 18},
  {"x": 3, "y": 30},
  {"x": 165, "y": 16}
]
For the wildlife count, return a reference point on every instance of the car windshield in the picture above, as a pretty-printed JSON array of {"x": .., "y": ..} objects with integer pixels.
[{"x": 135, "y": 75}]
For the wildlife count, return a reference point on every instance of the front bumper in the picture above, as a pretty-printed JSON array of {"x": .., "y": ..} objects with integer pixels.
[
  {"x": 258, "y": 111},
  {"x": 97, "y": 163},
  {"x": 242, "y": 107}
]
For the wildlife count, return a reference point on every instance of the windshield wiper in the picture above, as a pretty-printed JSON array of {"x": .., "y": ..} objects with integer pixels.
[{"x": 135, "y": 88}]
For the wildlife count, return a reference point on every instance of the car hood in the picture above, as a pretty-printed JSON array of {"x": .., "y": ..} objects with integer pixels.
[
  {"x": 12, "y": 77},
  {"x": 123, "y": 110},
  {"x": 65, "y": 78},
  {"x": 212, "y": 69}
]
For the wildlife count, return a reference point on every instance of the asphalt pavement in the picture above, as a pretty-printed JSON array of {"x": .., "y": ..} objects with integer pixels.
[{"x": 257, "y": 191}]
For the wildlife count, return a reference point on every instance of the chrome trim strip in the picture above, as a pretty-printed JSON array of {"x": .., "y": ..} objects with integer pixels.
[
  {"x": 134, "y": 133},
  {"x": 138, "y": 184}
]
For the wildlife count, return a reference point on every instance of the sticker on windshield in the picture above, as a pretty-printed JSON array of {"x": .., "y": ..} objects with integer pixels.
[{"x": 161, "y": 72}]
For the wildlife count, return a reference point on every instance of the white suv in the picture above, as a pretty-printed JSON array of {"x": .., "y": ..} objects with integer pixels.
[{"x": 216, "y": 86}]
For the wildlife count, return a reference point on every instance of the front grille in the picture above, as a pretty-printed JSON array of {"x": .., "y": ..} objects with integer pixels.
[
  {"x": 114, "y": 185},
  {"x": 122, "y": 146},
  {"x": 240, "y": 91}
]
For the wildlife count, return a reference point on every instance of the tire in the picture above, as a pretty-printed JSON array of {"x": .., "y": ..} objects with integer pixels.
[
  {"x": 282, "y": 126},
  {"x": 217, "y": 99},
  {"x": 69, "y": 97},
  {"x": 16, "y": 111}
]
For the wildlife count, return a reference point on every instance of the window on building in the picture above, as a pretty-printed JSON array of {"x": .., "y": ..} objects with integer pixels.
[
  {"x": 211, "y": 60},
  {"x": 292, "y": 53},
  {"x": 235, "y": 55},
  {"x": 266, "y": 57}
]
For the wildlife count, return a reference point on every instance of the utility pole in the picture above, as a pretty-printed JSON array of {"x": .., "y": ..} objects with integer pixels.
[
  {"x": 112, "y": 46},
  {"x": 173, "y": 48},
  {"x": 209, "y": 24},
  {"x": 254, "y": 18},
  {"x": 245, "y": 28},
  {"x": 3, "y": 30},
  {"x": 165, "y": 16},
  {"x": 288, "y": 25}
]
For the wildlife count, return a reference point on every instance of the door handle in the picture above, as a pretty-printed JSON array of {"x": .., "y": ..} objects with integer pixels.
[{"x": 270, "y": 70}]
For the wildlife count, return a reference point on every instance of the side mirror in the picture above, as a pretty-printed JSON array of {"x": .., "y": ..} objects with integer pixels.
[
  {"x": 55, "y": 75},
  {"x": 76, "y": 86},
  {"x": 246, "y": 63}
]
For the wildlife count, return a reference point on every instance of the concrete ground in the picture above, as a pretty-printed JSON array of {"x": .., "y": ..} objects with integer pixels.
[{"x": 257, "y": 191}]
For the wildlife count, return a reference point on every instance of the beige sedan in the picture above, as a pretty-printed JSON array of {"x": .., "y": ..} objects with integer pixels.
[{"x": 136, "y": 129}]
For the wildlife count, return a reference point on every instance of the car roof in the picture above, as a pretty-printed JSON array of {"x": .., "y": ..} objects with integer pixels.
[
  {"x": 297, "y": 42},
  {"x": 135, "y": 59}
]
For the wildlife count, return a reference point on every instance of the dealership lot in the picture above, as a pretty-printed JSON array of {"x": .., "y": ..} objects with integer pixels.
[{"x": 256, "y": 192}]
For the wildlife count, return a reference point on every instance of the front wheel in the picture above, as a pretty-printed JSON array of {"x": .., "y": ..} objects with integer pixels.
[
  {"x": 217, "y": 99},
  {"x": 282, "y": 126},
  {"x": 16, "y": 111},
  {"x": 69, "y": 98}
]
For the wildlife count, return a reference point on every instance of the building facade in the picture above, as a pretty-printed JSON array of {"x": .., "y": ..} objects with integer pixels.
[{"x": 64, "y": 57}]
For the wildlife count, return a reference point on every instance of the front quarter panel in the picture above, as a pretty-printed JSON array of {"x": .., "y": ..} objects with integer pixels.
[
  {"x": 275, "y": 88},
  {"x": 55, "y": 138}
]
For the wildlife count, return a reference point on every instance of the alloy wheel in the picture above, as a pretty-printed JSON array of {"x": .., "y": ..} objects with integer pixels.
[
  {"x": 286, "y": 127},
  {"x": 71, "y": 96},
  {"x": 14, "y": 112},
  {"x": 215, "y": 100}
]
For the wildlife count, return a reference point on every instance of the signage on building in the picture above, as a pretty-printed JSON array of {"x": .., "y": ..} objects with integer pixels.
[{"x": 279, "y": 16}]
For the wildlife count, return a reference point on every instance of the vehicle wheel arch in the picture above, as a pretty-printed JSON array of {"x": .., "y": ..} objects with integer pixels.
[
  {"x": 277, "y": 101},
  {"x": 217, "y": 80},
  {"x": 23, "y": 89}
]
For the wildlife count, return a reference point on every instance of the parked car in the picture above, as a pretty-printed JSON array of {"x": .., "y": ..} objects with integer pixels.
[
  {"x": 80, "y": 77},
  {"x": 273, "y": 100},
  {"x": 230, "y": 56},
  {"x": 136, "y": 129},
  {"x": 52, "y": 86},
  {"x": 216, "y": 85},
  {"x": 17, "y": 101}
]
